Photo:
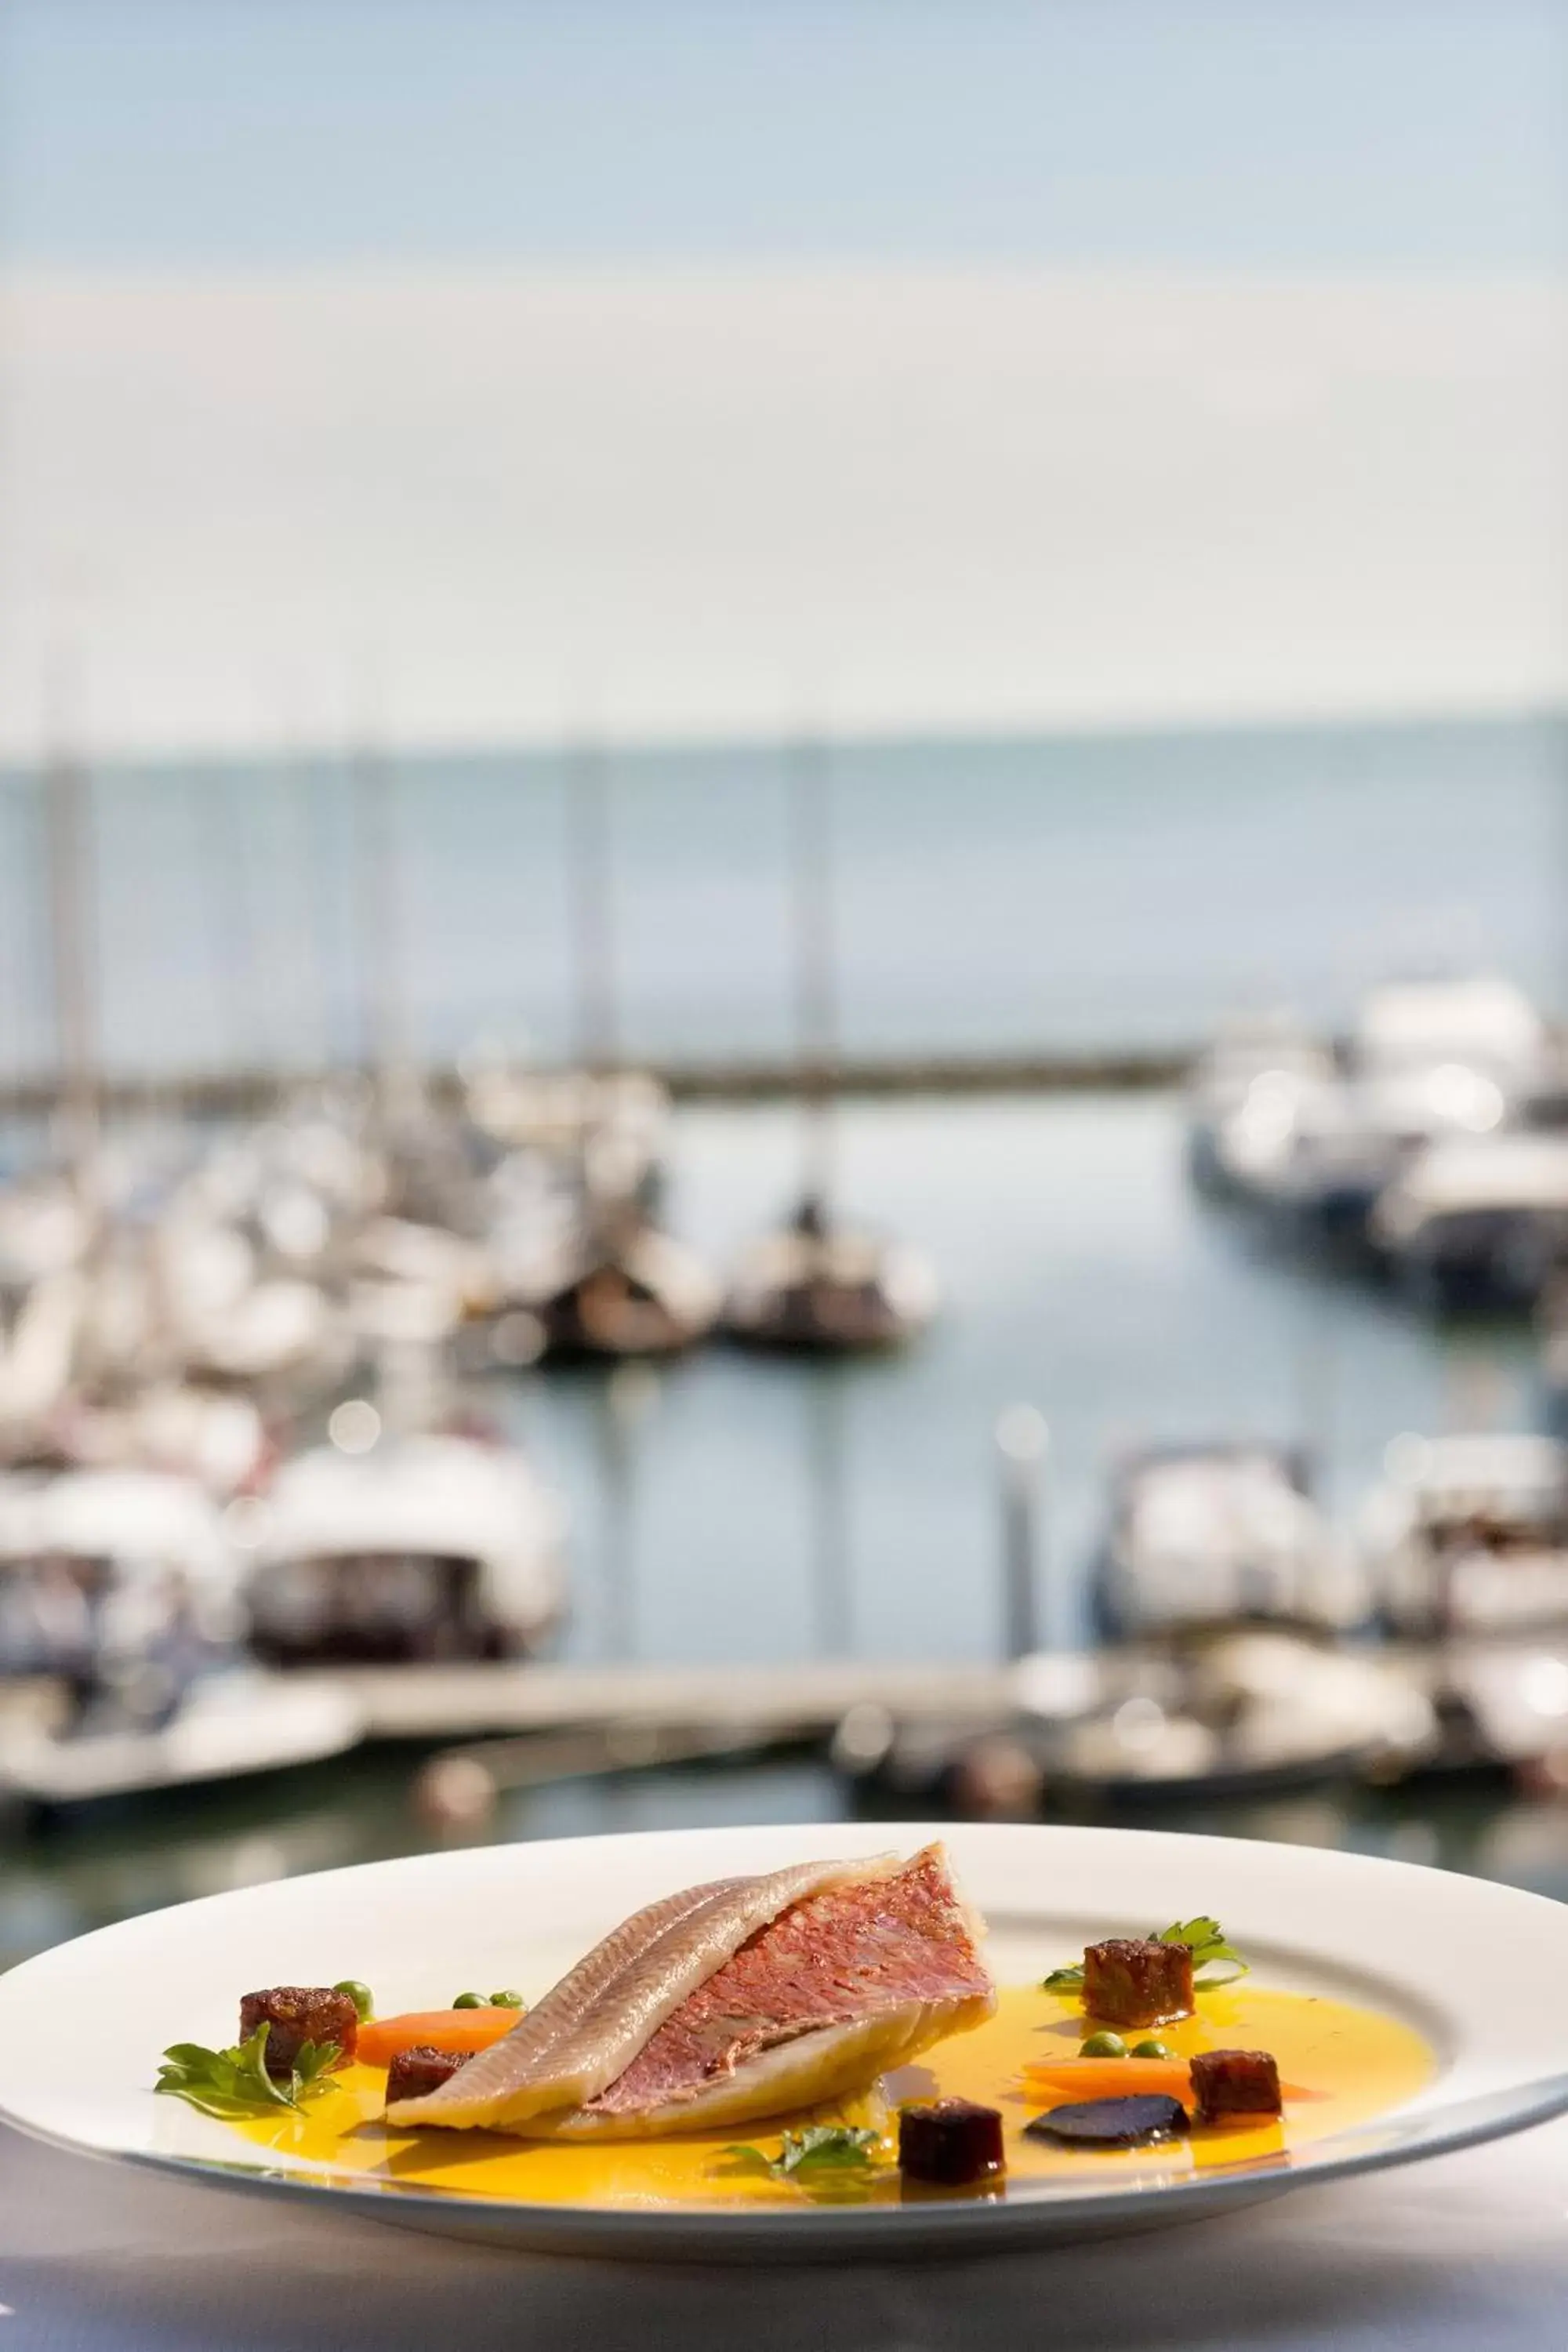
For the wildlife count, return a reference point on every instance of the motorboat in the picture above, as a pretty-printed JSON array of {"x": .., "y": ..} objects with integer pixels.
[
  {"x": 1468, "y": 1535},
  {"x": 1242, "y": 1715},
  {"x": 419, "y": 1547},
  {"x": 1243, "y": 1098},
  {"x": 1481, "y": 1022},
  {"x": 224, "y": 1726},
  {"x": 1334, "y": 1147},
  {"x": 118, "y": 1596},
  {"x": 1214, "y": 1536},
  {"x": 1474, "y": 1223},
  {"x": 815, "y": 1288},
  {"x": 1317, "y": 1139},
  {"x": 1500, "y": 1702},
  {"x": 1428, "y": 1062}
]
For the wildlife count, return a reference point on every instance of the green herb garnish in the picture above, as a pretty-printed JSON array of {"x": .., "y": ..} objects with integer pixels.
[
  {"x": 1204, "y": 1937},
  {"x": 804, "y": 2155},
  {"x": 235, "y": 2084}
]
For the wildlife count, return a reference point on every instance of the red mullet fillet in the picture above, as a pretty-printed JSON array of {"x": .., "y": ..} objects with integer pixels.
[{"x": 746, "y": 1998}]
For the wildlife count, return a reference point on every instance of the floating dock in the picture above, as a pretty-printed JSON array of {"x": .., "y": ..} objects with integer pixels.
[{"x": 802, "y": 1701}]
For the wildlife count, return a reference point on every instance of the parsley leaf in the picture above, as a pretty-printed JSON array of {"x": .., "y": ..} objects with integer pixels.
[
  {"x": 234, "y": 2084},
  {"x": 804, "y": 2155},
  {"x": 1204, "y": 1938}
]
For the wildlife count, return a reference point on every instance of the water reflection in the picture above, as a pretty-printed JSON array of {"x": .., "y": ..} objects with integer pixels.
[
  {"x": 92, "y": 1871},
  {"x": 728, "y": 1508}
]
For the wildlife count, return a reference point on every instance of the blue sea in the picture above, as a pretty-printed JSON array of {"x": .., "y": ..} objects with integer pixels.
[{"x": 988, "y": 896}]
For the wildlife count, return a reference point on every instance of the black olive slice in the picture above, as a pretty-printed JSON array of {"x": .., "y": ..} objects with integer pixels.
[{"x": 1112, "y": 2123}]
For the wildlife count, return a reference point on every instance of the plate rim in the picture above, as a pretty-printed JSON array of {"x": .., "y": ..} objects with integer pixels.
[{"x": 697, "y": 2233}]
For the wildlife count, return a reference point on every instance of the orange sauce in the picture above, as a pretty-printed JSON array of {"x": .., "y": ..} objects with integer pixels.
[{"x": 1356, "y": 2062}]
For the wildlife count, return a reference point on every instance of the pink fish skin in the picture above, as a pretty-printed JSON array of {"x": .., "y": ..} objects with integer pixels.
[{"x": 845, "y": 1970}]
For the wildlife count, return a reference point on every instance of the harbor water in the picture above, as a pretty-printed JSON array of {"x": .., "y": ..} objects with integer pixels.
[{"x": 729, "y": 1509}]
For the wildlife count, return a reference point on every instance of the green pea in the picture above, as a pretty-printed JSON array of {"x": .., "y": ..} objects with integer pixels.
[
  {"x": 470, "y": 2001},
  {"x": 506, "y": 2000},
  {"x": 1103, "y": 2045},
  {"x": 1152, "y": 2049},
  {"x": 360, "y": 1994}
]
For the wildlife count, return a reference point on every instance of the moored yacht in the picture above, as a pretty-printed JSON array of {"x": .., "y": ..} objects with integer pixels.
[
  {"x": 1468, "y": 1535},
  {"x": 817, "y": 1288},
  {"x": 1242, "y": 1098},
  {"x": 1474, "y": 1223},
  {"x": 1211, "y": 1535},
  {"x": 420, "y": 1547}
]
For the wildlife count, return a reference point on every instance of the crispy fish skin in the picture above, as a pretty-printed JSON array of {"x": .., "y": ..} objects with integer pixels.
[
  {"x": 845, "y": 1983},
  {"x": 584, "y": 2031},
  {"x": 815, "y": 2070}
]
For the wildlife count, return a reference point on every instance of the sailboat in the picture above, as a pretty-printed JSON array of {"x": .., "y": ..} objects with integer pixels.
[
  {"x": 599, "y": 1280},
  {"x": 813, "y": 1286}
]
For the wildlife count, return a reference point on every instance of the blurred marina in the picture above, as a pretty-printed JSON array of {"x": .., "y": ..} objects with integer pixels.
[{"x": 676, "y": 1351}]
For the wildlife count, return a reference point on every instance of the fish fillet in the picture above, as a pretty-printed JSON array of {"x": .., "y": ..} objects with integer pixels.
[{"x": 745, "y": 1998}]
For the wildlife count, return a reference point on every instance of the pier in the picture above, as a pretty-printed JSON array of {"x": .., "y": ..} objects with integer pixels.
[
  {"x": 253, "y": 1092},
  {"x": 797, "y": 1701}
]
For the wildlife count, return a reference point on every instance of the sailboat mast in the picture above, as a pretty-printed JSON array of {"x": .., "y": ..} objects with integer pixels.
[
  {"x": 383, "y": 1010},
  {"x": 67, "y": 845},
  {"x": 588, "y": 858},
  {"x": 816, "y": 958},
  {"x": 308, "y": 918}
]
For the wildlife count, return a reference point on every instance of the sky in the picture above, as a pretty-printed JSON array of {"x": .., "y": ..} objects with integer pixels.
[
  {"x": 674, "y": 367},
  {"x": 1252, "y": 133}
]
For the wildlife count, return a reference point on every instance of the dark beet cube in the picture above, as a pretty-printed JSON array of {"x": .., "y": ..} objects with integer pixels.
[
  {"x": 1138, "y": 1980},
  {"x": 1227, "y": 2082},
  {"x": 297, "y": 2015},
  {"x": 949, "y": 2143},
  {"x": 414, "y": 2071}
]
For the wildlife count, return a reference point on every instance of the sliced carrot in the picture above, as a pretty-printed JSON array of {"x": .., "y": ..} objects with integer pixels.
[
  {"x": 1064, "y": 2079},
  {"x": 460, "y": 2030}
]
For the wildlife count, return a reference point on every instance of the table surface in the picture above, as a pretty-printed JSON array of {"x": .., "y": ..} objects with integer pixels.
[{"x": 1467, "y": 2253}]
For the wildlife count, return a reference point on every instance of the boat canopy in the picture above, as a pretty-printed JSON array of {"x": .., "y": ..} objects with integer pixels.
[
  {"x": 133, "y": 1518},
  {"x": 432, "y": 1497},
  {"x": 1484, "y": 1020},
  {"x": 1491, "y": 1473}
]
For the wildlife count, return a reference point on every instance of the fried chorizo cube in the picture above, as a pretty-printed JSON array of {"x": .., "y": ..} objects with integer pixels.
[
  {"x": 297, "y": 2015},
  {"x": 949, "y": 2143},
  {"x": 1138, "y": 1980},
  {"x": 1227, "y": 2082},
  {"x": 414, "y": 2071}
]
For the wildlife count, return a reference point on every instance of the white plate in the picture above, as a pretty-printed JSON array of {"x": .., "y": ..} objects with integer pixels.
[{"x": 1479, "y": 1970}]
